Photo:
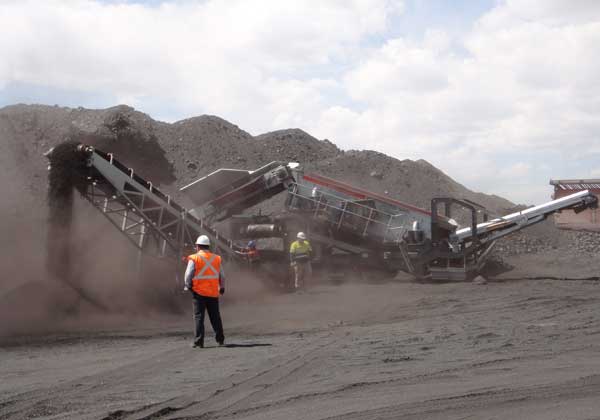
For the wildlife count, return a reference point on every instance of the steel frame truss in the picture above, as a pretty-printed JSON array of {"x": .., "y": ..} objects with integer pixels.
[
  {"x": 137, "y": 224},
  {"x": 149, "y": 219}
]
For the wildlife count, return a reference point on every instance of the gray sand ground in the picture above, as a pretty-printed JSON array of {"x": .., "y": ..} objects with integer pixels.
[{"x": 501, "y": 350}]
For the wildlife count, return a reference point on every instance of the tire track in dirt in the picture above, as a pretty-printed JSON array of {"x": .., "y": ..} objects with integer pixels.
[
  {"x": 587, "y": 386},
  {"x": 27, "y": 404},
  {"x": 240, "y": 410},
  {"x": 243, "y": 407},
  {"x": 249, "y": 392},
  {"x": 238, "y": 389}
]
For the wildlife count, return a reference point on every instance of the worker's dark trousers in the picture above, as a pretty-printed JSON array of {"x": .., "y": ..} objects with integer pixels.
[{"x": 211, "y": 305}]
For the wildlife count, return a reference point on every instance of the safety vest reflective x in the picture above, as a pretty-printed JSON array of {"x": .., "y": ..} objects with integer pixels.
[{"x": 206, "y": 276}]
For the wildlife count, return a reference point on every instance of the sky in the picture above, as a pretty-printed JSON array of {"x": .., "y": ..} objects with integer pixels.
[{"x": 502, "y": 95}]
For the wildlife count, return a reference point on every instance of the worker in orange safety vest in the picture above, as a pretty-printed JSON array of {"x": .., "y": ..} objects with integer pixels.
[
  {"x": 250, "y": 254},
  {"x": 204, "y": 278}
]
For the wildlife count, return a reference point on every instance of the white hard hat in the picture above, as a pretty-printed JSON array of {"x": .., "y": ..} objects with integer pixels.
[
  {"x": 203, "y": 240},
  {"x": 301, "y": 235}
]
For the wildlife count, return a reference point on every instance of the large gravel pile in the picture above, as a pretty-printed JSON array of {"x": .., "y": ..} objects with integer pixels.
[
  {"x": 172, "y": 155},
  {"x": 415, "y": 182},
  {"x": 545, "y": 238}
]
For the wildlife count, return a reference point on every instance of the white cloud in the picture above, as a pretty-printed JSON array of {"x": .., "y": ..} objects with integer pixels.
[
  {"x": 213, "y": 55},
  {"x": 510, "y": 101},
  {"x": 516, "y": 170},
  {"x": 522, "y": 89}
]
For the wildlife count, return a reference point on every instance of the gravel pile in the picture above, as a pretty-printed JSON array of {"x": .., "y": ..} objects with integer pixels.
[
  {"x": 585, "y": 242},
  {"x": 414, "y": 182},
  {"x": 546, "y": 238},
  {"x": 172, "y": 155}
]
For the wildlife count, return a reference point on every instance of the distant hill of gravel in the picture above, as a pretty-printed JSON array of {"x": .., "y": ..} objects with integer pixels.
[{"x": 172, "y": 155}]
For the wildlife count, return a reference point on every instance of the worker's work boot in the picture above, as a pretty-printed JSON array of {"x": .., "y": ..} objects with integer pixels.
[{"x": 197, "y": 345}]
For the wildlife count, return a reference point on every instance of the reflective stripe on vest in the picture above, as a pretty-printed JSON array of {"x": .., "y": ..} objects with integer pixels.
[
  {"x": 205, "y": 282},
  {"x": 200, "y": 274}
]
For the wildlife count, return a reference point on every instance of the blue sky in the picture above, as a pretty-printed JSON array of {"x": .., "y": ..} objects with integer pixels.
[
  {"x": 455, "y": 16},
  {"x": 496, "y": 93}
]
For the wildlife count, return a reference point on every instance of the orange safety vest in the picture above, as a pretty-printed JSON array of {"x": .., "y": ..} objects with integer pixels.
[
  {"x": 206, "y": 276},
  {"x": 252, "y": 254}
]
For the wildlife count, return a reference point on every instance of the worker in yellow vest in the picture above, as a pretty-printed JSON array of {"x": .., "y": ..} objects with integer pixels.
[
  {"x": 204, "y": 278},
  {"x": 300, "y": 255}
]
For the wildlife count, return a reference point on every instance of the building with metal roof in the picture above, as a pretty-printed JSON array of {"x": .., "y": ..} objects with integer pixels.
[{"x": 567, "y": 219}]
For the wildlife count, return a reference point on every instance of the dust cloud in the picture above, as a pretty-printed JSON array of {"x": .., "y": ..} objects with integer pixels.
[
  {"x": 67, "y": 267},
  {"x": 64, "y": 265}
]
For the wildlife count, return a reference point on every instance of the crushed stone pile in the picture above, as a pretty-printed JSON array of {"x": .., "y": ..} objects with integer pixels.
[
  {"x": 172, "y": 155},
  {"x": 545, "y": 238},
  {"x": 414, "y": 182}
]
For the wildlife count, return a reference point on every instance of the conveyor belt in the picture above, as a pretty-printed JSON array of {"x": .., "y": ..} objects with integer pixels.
[{"x": 150, "y": 219}]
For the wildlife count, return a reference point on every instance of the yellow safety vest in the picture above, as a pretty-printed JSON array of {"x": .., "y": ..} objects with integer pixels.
[{"x": 300, "y": 250}]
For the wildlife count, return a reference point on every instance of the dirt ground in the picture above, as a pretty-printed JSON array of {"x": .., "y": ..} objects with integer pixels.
[{"x": 360, "y": 350}]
